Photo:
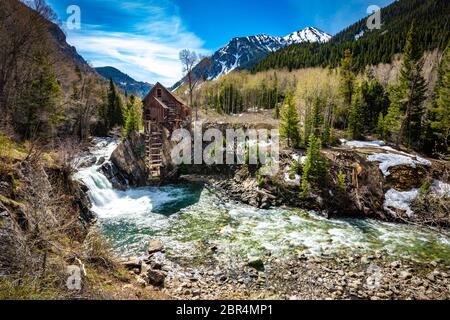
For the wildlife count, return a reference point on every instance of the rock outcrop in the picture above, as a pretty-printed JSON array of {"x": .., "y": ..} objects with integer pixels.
[
  {"x": 128, "y": 159},
  {"x": 364, "y": 194},
  {"x": 127, "y": 167},
  {"x": 13, "y": 246},
  {"x": 47, "y": 200}
]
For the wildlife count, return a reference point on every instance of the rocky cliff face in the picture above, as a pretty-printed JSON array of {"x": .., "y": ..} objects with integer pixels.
[
  {"x": 38, "y": 204},
  {"x": 127, "y": 167},
  {"x": 381, "y": 183}
]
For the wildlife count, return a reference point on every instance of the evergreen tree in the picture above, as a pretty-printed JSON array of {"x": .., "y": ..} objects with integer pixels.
[
  {"x": 380, "y": 126},
  {"x": 134, "y": 118},
  {"x": 317, "y": 116},
  {"x": 341, "y": 180},
  {"x": 439, "y": 114},
  {"x": 307, "y": 123},
  {"x": 413, "y": 89},
  {"x": 115, "y": 107},
  {"x": 289, "y": 126},
  {"x": 40, "y": 102},
  {"x": 394, "y": 117},
  {"x": 376, "y": 101},
  {"x": 326, "y": 134},
  {"x": 356, "y": 118},
  {"x": 315, "y": 167},
  {"x": 347, "y": 78},
  {"x": 102, "y": 111}
]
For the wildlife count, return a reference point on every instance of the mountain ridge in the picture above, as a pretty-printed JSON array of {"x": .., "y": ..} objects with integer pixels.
[
  {"x": 124, "y": 81},
  {"x": 246, "y": 51},
  {"x": 370, "y": 47}
]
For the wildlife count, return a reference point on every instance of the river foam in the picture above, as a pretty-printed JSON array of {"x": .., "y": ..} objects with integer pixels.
[{"x": 192, "y": 220}]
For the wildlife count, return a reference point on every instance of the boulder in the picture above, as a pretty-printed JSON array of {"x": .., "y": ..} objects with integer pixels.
[
  {"x": 88, "y": 162},
  {"x": 129, "y": 160},
  {"x": 156, "y": 277},
  {"x": 100, "y": 161},
  {"x": 14, "y": 250},
  {"x": 155, "y": 245},
  {"x": 132, "y": 263},
  {"x": 114, "y": 176},
  {"x": 256, "y": 264},
  {"x": 405, "y": 178}
]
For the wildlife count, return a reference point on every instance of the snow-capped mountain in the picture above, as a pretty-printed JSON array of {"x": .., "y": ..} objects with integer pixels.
[
  {"x": 309, "y": 34},
  {"x": 245, "y": 52}
]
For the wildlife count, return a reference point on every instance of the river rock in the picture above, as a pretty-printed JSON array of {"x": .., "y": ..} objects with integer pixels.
[
  {"x": 404, "y": 275},
  {"x": 114, "y": 176},
  {"x": 156, "y": 277},
  {"x": 256, "y": 264},
  {"x": 132, "y": 263},
  {"x": 88, "y": 162},
  {"x": 100, "y": 161},
  {"x": 155, "y": 246}
]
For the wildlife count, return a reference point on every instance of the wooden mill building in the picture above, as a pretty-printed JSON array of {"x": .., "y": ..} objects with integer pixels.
[{"x": 161, "y": 110}]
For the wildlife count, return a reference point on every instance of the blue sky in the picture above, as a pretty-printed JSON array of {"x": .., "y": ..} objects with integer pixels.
[{"x": 143, "y": 37}]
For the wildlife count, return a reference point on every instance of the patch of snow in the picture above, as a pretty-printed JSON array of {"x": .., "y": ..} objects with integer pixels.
[
  {"x": 441, "y": 189},
  {"x": 298, "y": 158},
  {"x": 400, "y": 200},
  {"x": 359, "y": 35},
  {"x": 363, "y": 144},
  {"x": 288, "y": 180},
  {"x": 388, "y": 160}
]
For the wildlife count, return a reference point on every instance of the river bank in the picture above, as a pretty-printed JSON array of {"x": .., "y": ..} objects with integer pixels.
[
  {"x": 215, "y": 247},
  {"x": 306, "y": 277}
]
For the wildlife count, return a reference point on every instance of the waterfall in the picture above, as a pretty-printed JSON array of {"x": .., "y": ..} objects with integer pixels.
[
  {"x": 185, "y": 216},
  {"x": 106, "y": 201}
]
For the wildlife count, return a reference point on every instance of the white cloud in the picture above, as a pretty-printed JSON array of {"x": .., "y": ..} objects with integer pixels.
[{"x": 147, "y": 49}]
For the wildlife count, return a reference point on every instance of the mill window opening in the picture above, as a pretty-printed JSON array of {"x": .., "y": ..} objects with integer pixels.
[{"x": 158, "y": 93}]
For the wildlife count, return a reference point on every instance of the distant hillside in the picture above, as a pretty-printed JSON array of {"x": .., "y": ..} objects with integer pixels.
[
  {"x": 371, "y": 47},
  {"x": 23, "y": 32},
  {"x": 125, "y": 82}
]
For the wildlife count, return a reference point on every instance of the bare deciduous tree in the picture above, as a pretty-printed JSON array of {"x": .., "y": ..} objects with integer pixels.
[
  {"x": 23, "y": 33},
  {"x": 85, "y": 98},
  {"x": 41, "y": 7},
  {"x": 188, "y": 60}
]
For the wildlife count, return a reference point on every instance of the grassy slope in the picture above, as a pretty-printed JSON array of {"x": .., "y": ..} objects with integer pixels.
[{"x": 105, "y": 277}]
